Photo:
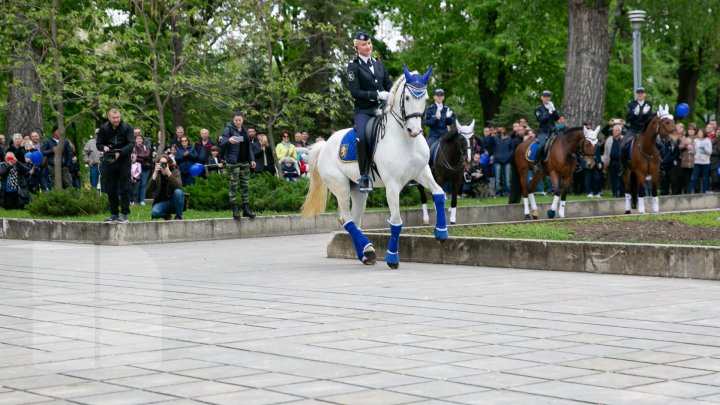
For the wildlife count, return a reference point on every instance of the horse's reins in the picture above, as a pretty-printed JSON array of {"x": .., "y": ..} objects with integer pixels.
[{"x": 402, "y": 120}]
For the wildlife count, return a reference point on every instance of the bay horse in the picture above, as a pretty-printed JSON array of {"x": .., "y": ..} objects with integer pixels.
[
  {"x": 645, "y": 161},
  {"x": 452, "y": 154},
  {"x": 400, "y": 156},
  {"x": 560, "y": 166}
]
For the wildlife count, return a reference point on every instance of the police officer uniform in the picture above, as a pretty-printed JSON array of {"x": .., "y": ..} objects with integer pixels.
[
  {"x": 437, "y": 118},
  {"x": 546, "y": 115},
  {"x": 639, "y": 113},
  {"x": 366, "y": 78}
]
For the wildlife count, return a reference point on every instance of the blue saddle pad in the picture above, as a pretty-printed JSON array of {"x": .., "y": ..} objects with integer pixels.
[
  {"x": 348, "y": 147},
  {"x": 532, "y": 151}
]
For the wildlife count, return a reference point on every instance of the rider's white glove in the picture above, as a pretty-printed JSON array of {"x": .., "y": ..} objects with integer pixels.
[
  {"x": 646, "y": 109},
  {"x": 637, "y": 109},
  {"x": 437, "y": 113},
  {"x": 383, "y": 95},
  {"x": 449, "y": 113}
]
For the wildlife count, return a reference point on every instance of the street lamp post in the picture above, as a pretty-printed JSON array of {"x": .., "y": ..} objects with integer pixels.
[{"x": 637, "y": 17}]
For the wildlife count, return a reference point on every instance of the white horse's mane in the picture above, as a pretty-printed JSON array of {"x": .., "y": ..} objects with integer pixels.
[{"x": 393, "y": 92}]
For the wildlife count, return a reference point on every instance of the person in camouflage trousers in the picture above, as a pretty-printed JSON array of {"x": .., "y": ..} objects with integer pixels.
[{"x": 235, "y": 143}]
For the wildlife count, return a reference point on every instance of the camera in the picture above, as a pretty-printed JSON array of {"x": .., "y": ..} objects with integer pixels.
[
  {"x": 163, "y": 165},
  {"x": 617, "y": 121}
]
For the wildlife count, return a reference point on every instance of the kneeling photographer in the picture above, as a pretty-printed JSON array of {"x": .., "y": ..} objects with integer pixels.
[{"x": 166, "y": 185}]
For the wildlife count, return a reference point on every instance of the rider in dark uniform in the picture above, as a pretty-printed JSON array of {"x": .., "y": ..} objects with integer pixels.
[
  {"x": 546, "y": 115},
  {"x": 640, "y": 111},
  {"x": 369, "y": 85},
  {"x": 438, "y": 117}
]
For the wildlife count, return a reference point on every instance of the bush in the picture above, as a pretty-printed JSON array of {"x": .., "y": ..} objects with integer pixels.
[
  {"x": 69, "y": 202},
  {"x": 271, "y": 194}
]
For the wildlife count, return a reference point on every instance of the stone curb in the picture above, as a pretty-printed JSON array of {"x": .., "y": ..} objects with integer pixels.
[
  {"x": 682, "y": 261},
  {"x": 226, "y": 228}
]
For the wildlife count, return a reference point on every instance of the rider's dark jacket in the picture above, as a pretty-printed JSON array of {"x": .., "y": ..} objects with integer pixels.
[
  {"x": 364, "y": 85},
  {"x": 546, "y": 118},
  {"x": 638, "y": 115}
]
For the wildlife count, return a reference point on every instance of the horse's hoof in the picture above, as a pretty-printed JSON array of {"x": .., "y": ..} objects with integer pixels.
[
  {"x": 452, "y": 223},
  {"x": 535, "y": 215},
  {"x": 392, "y": 260},
  {"x": 551, "y": 214},
  {"x": 426, "y": 223},
  {"x": 393, "y": 266},
  {"x": 627, "y": 212},
  {"x": 369, "y": 257},
  {"x": 527, "y": 217},
  {"x": 441, "y": 235}
]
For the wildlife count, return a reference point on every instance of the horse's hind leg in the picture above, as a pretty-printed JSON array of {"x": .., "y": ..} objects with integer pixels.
[
  {"x": 655, "y": 199},
  {"x": 629, "y": 185},
  {"x": 359, "y": 202},
  {"x": 641, "y": 193},
  {"x": 456, "y": 188},
  {"x": 423, "y": 200},
  {"x": 363, "y": 247},
  {"x": 531, "y": 194}
]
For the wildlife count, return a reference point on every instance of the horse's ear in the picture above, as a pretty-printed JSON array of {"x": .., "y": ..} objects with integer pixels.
[
  {"x": 597, "y": 130},
  {"x": 472, "y": 126},
  {"x": 667, "y": 109},
  {"x": 408, "y": 76},
  {"x": 426, "y": 76}
]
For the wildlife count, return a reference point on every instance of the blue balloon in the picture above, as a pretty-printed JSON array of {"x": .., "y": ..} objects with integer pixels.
[
  {"x": 682, "y": 110},
  {"x": 28, "y": 156},
  {"x": 36, "y": 157},
  {"x": 484, "y": 159},
  {"x": 197, "y": 169}
]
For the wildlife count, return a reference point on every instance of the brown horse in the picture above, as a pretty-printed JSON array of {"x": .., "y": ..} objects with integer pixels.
[
  {"x": 560, "y": 166},
  {"x": 645, "y": 162}
]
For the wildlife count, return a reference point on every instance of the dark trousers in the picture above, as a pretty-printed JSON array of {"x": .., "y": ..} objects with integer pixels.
[
  {"x": 117, "y": 178},
  {"x": 616, "y": 182},
  {"x": 669, "y": 181},
  {"x": 593, "y": 180},
  {"x": 361, "y": 120}
]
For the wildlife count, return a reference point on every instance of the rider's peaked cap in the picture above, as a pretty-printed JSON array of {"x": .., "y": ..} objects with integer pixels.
[
  {"x": 362, "y": 36},
  {"x": 439, "y": 92},
  {"x": 546, "y": 93},
  {"x": 640, "y": 89}
]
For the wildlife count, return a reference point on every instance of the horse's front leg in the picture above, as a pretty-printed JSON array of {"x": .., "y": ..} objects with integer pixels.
[
  {"x": 363, "y": 247},
  {"x": 655, "y": 199},
  {"x": 456, "y": 189},
  {"x": 392, "y": 258},
  {"x": 423, "y": 200},
  {"x": 559, "y": 190},
  {"x": 565, "y": 184},
  {"x": 425, "y": 178},
  {"x": 531, "y": 195},
  {"x": 641, "y": 192}
]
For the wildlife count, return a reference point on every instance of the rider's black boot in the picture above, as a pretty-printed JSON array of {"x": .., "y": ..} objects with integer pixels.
[{"x": 364, "y": 183}]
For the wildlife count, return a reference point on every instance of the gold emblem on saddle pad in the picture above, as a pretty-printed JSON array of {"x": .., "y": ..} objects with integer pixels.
[{"x": 343, "y": 151}]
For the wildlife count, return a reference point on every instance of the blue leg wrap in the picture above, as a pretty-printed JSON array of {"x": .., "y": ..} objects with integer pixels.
[
  {"x": 392, "y": 252},
  {"x": 359, "y": 240},
  {"x": 441, "y": 231}
]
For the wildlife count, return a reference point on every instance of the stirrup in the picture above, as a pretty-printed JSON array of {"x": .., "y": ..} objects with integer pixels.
[{"x": 365, "y": 184}]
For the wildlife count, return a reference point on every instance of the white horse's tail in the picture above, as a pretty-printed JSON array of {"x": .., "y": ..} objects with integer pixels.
[{"x": 316, "y": 199}]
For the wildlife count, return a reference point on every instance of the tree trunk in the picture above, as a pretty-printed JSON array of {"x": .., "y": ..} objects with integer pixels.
[
  {"x": 178, "y": 108},
  {"x": 586, "y": 64},
  {"x": 24, "y": 114},
  {"x": 689, "y": 73},
  {"x": 59, "y": 102},
  {"x": 490, "y": 98}
]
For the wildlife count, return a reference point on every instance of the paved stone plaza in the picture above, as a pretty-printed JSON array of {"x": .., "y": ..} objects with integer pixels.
[{"x": 272, "y": 321}]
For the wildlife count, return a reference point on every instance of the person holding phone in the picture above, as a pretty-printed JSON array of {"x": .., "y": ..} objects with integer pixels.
[
  {"x": 235, "y": 143},
  {"x": 166, "y": 185}
]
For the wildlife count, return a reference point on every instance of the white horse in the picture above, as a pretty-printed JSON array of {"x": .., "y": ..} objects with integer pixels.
[{"x": 400, "y": 156}]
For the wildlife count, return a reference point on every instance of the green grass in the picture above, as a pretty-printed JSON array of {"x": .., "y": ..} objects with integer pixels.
[
  {"x": 562, "y": 230},
  {"x": 142, "y": 213}
]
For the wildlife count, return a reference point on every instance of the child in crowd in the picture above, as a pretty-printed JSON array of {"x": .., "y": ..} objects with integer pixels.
[
  {"x": 214, "y": 164},
  {"x": 135, "y": 174},
  {"x": 290, "y": 171}
]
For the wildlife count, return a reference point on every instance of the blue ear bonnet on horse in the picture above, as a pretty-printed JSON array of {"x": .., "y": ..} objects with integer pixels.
[{"x": 416, "y": 83}]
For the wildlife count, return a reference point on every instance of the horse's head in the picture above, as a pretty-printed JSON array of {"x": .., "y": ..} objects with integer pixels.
[
  {"x": 411, "y": 99},
  {"x": 666, "y": 123},
  {"x": 588, "y": 145},
  {"x": 467, "y": 133}
]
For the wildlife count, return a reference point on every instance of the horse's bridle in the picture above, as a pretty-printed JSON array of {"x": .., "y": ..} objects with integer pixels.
[
  {"x": 403, "y": 117},
  {"x": 462, "y": 149},
  {"x": 655, "y": 151}
]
